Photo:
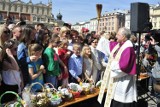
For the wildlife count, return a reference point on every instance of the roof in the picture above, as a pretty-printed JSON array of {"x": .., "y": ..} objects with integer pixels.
[
  {"x": 40, "y": 4},
  {"x": 18, "y": 1}
]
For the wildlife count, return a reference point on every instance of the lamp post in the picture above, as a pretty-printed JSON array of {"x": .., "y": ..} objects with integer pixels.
[{"x": 99, "y": 10}]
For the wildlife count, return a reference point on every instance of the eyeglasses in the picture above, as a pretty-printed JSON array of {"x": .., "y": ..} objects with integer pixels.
[
  {"x": 6, "y": 32},
  {"x": 58, "y": 29},
  {"x": 57, "y": 42},
  {"x": 94, "y": 42},
  {"x": 46, "y": 34}
]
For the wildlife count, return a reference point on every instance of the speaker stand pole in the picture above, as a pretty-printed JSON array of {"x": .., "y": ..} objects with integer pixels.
[{"x": 138, "y": 57}]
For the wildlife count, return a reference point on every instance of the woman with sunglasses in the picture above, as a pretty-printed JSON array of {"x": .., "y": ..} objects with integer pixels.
[
  {"x": 12, "y": 79},
  {"x": 4, "y": 36}
]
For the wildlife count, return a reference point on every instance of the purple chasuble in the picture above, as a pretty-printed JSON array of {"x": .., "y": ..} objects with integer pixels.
[{"x": 127, "y": 62}]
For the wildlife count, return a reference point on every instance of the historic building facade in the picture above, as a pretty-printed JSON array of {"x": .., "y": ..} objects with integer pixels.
[
  {"x": 31, "y": 13},
  {"x": 111, "y": 21},
  {"x": 155, "y": 16}
]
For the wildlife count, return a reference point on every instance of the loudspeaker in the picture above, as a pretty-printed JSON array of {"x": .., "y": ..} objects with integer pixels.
[{"x": 139, "y": 17}]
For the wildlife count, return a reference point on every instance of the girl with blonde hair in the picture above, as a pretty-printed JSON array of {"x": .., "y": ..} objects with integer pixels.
[
  {"x": 64, "y": 33},
  {"x": 64, "y": 55},
  {"x": 88, "y": 63},
  {"x": 36, "y": 68}
]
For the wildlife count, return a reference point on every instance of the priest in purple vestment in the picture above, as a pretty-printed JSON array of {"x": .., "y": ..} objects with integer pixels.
[{"x": 119, "y": 77}]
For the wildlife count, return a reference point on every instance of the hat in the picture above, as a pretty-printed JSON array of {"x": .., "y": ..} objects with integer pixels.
[{"x": 85, "y": 30}]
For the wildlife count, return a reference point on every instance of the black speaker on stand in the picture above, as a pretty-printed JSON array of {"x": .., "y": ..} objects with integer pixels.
[
  {"x": 140, "y": 24},
  {"x": 139, "y": 17}
]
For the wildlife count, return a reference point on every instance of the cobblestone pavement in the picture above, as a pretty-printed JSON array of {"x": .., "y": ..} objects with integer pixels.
[{"x": 147, "y": 100}]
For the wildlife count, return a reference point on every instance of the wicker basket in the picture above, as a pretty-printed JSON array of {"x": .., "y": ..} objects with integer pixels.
[
  {"x": 66, "y": 94},
  {"x": 75, "y": 89},
  {"x": 52, "y": 94},
  {"x": 39, "y": 99},
  {"x": 50, "y": 88},
  {"x": 17, "y": 103},
  {"x": 88, "y": 88}
]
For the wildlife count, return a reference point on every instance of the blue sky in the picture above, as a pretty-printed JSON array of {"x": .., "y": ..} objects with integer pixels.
[{"x": 83, "y": 10}]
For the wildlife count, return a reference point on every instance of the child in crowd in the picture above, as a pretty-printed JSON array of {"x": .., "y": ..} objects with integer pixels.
[
  {"x": 35, "y": 67},
  {"x": 52, "y": 62},
  {"x": 87, "y": 63},
  {"x": 64, "y": 55},
  {"x": 75, "y": 64}
]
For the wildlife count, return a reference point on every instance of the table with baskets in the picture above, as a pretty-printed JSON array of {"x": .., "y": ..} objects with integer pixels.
[
  {"x": 51, "y": 97},
  {"x": 80, "y": 98},
  {"x": 61, "y": 97}
]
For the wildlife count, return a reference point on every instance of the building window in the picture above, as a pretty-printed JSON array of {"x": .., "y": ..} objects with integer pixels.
[
  {"x": 24, "y": 18},
  {"x": 27, "y": 9},
  {"x": 1, "y": 17},
  {"x": 4, "y": 6},
  {"x": 15, "y": 9},
  {"x": 128, "y": 24},
  {"x": 32, "y": 9},
  {"x": 112, "y": 18},
  {"x": 112, "y": 28},
  {"x": 42, "y": 10},
  {"x": 155, "y": 19},
  {"x": 42, "y": 19},
  {"x": 13, "y": 18},
  {"x": 37, "y": 10},
  {"x": 155, "y": 24},
  {"x": 34, "y": 18},
  {"x": 38, "y": 19}
]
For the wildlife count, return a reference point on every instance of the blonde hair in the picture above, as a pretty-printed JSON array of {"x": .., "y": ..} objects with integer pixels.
[
  {"x": 62, "y": 43},
  {"x": 63, "y": 30},
  {"x": 76, "y": 45},
  {"x": 32, "y": 48},
  {"x": 2, "y": 28},
  {"x": 83, "y": 53}
]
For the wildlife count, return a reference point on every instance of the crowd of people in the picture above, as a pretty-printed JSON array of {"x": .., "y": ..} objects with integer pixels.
[
  {"x": 37, "y": 54},
  {"x": 62, "y": 55}
]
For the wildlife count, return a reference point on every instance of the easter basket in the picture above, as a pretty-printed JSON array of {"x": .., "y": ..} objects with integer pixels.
[
  {"x": 17, "y": 103},
  {"x": 50, "y": 88},
  {"x": 53, "y": 95},
  {"x": 87, "y": 87},
  {"x": 39, "y": 99},
  {"x": 66, "y": 94},
  {"x": 75, "y": 89}
]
